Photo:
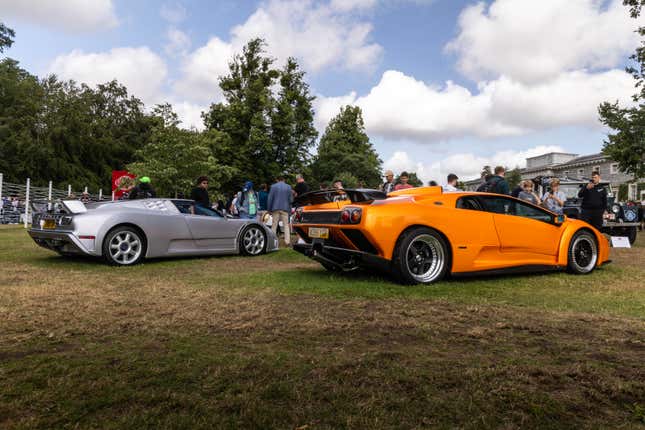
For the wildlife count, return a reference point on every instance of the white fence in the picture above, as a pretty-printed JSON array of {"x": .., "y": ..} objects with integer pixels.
[{"x": 15, "y": 199}]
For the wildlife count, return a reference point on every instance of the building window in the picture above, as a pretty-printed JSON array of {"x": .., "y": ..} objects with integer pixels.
[
  {"x": 595, "y": 169},
  {"x": 613, "y": 169},
  {"x": 566, "y": 173},
  {"x": 581, "y": 172}
]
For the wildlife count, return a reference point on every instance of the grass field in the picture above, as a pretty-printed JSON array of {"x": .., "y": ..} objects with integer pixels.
[{"x": 277, "y": 342}]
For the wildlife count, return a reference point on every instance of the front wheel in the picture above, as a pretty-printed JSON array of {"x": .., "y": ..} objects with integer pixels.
[
  {"x": 253, "y": 241},
  {"x": 583, "y": 253},
  {"x": 421, "y": 257},
  {"x": 124, "y": 246}
]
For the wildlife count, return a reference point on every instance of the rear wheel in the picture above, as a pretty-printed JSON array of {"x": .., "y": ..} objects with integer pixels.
[
  {"x": 253, "y": 241},
  {"x": 421, "y": 256},
  {"x": 124, "y": 246},
  {"x": 583, "y": 253}
]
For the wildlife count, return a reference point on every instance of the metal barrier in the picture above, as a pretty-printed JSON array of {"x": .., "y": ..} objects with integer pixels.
[{"x": 15, "y": 199}]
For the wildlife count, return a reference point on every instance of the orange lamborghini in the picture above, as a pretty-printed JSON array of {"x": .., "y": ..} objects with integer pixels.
[{"x": 421, "y": 235}]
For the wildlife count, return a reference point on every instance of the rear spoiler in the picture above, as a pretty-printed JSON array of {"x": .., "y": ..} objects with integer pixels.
[{"x": 334, "y": 195}]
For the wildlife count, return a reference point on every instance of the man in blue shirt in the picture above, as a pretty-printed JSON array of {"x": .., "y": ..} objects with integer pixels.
[{"x": 279, "y": 204}]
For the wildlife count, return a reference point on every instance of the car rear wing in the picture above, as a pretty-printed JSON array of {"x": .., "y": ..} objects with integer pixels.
[
  {"x": 327, "y": 196},
  {"x": 58, "y": 206}
]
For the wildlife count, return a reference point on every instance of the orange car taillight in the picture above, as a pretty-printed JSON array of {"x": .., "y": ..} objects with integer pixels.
[{"x": 351, "y": 216}]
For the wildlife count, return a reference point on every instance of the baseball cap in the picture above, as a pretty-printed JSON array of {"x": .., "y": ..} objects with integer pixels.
[{"x": 144, "y": 180}]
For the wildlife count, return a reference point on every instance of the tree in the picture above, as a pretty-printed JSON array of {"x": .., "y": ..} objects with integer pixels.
[
  {"x": 6, "y": 37},
  {"x": 266, "y": 134},
  {"x": 345, "y": 147},
  {"x": 245, "y": 115},
  {"x": 292, "y": 129},
  {"x": 627, "y": 145},
  {"x": 513, "y": 177},
  {"x": 174, "y": 158}
]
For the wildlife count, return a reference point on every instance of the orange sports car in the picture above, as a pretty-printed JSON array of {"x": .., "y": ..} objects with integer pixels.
[{"x": 421, "y": 235}]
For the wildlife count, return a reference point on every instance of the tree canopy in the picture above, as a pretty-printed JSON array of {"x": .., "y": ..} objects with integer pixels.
[
  {"x": 345, "y": 149},
  {"x": 174, "y": 157},
  {"x": 627, "y": 144},
  {"x": 267, "y": 134}
]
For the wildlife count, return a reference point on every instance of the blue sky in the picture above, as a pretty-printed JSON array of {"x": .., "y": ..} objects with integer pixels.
[{"x": 445, "y": 85}]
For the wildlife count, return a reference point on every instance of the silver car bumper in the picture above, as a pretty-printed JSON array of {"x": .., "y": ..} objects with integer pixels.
[{"x": 62, "y": 242}]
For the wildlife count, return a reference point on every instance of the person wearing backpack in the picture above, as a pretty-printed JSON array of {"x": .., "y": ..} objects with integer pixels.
[
  {"x": 247, "y": 201},
  {"x": 143, "y": 191},
  {"x": 496, "y": 183}
]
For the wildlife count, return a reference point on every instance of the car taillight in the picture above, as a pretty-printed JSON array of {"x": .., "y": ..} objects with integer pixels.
[
  {"x": 351, "y": 216},
  {"x": 356, "y": 216}
]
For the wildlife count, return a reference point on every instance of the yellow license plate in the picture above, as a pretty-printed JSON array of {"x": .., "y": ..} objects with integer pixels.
[
  {"x": 319, "y": 233},
  {"x": 49, "y": 224}
]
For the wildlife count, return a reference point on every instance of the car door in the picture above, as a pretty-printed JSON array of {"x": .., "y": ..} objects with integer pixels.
[
  {"x": 525, "y": 231},
  {"x": 474, "y": 239},
  {"x": 211, "y": 231}
]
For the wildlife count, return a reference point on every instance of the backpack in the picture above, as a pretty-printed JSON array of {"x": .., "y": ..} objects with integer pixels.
[{"x": 489, "y": 186}]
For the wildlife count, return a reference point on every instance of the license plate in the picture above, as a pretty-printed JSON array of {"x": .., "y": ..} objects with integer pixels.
[
  {"x": 49, "y": 224},
  {"x": 319, "y": 233}
]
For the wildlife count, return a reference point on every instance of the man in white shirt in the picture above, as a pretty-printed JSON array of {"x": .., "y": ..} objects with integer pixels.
[{"x": 451, "y": 186}]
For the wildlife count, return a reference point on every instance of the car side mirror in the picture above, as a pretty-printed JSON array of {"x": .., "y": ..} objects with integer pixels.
[{"x": 558, "y": 219}]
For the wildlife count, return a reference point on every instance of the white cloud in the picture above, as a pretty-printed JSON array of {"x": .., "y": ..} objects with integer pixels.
[
  {"x": 201, "y": 70},
  {"x": 465, "y": 165},
  {"x": 401, "y": 107},
  {"x": 318, "y": 35},
  {"x": 67, "y": 15},
  {"x": 190, "y": 114},
  {"x": 178, "y": 42},
  {"x": 348, "y": 5},
  {"x": 174, "y": 13},
  {"x": 142, "y": 71},
  {"x": 531, "y": 41}
]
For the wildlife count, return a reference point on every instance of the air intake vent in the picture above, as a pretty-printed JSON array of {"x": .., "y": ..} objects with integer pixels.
[
  {"x": 359, "y": 240},
  {"x": 331, "y": 217}
]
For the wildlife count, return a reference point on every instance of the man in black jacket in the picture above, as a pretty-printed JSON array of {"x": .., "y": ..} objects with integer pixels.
[{"x": 594, "y": 201}]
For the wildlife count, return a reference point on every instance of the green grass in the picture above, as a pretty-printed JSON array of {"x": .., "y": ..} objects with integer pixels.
[{"x": 278, "y": 342}]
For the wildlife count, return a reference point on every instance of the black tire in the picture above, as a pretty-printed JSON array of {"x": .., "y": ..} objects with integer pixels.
[
  {"x": 124, "y": 246},
  {"x": 421, "y": 256},
  {"x": 253, "y": 240},
  {"x": 632, "y": 232},
  {"x": 583, "y": 253}
]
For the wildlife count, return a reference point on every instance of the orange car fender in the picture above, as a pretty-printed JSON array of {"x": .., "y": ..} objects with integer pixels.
[{"x": 571, "y": 228}]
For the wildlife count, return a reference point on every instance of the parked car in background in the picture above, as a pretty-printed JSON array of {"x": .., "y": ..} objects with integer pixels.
[
  {"x": 622, "y": 218},
  {"x": 127, "y": 231}
]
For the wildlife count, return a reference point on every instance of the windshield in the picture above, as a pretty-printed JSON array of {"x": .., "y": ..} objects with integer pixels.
[{"x": 570, "y": 190}]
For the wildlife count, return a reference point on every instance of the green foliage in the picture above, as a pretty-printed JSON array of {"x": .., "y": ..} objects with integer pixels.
[
  {"x": 174, "y": 158},
  {"x": 266, "y": 135},
  {"x": 6, "y": 37},
  {"x": 59, "y": 131},
  {"x": 347, "y": 179},
  {"x": 627, "y": 145},
  {"x": 513, "y": 177},
  {"x": 345, "y": 147}
]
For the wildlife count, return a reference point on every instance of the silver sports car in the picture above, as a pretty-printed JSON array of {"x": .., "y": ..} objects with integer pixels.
[{"x": 126, "y": 232}]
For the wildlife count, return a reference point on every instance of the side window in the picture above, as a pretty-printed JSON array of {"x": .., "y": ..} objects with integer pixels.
[
  {"x": 470, "y": 203},
  {"x": 528, "y": 211},
  {"x": 507, "y": 206},
  {"x": 499, "y": 205}
]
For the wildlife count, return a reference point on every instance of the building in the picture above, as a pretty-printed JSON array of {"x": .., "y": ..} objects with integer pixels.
[{"x": 574, "y": 166}]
